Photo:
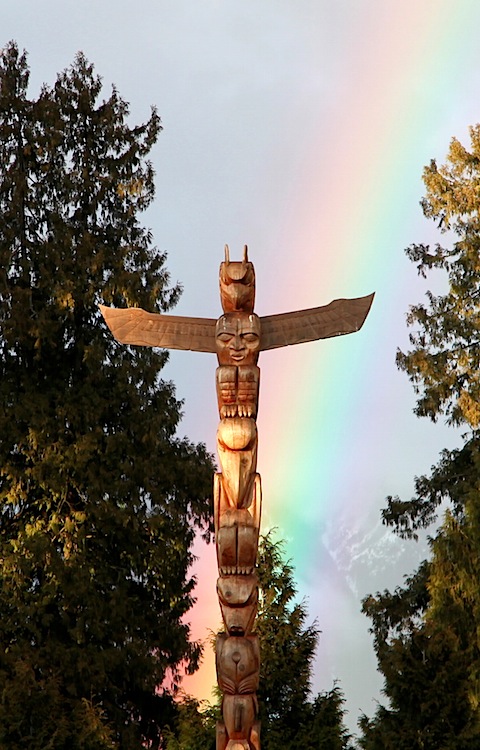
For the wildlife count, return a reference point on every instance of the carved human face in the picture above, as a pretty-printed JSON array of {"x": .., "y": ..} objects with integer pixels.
[{"x": 238, "y": 338}]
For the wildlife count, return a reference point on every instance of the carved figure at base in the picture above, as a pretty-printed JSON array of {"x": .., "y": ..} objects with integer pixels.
[
  {"x": 223, "y": 743},
  {"x": 241, "y": 728},
  {"x": 238, "y": 664}
]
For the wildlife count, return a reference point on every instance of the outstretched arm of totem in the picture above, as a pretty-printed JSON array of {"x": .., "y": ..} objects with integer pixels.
[
  {"x": 136, "y": 326},
  {"x": 336, "y": 319}
]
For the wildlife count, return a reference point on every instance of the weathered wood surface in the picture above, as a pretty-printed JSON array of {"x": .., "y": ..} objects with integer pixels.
[{"x": 237, "y": 337}]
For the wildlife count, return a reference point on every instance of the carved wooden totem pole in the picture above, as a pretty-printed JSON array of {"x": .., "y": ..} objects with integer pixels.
[{"x": 237, "y": 337}]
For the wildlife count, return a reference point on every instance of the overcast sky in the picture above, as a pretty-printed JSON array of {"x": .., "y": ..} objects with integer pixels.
[{"x": 298, "y": 127}]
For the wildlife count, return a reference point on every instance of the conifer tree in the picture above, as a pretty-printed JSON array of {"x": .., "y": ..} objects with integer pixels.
[
  {"x": 426, "y": 634},
  {"x": 98, "y": 496},
  {"x": 290, "y": 717}
]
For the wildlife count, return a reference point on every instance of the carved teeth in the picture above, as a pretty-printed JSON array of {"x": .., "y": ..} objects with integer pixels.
[{"x": 235, "y": 570}]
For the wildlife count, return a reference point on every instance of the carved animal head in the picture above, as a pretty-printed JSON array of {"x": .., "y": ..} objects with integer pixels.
[{"x": 237, "y": 283}]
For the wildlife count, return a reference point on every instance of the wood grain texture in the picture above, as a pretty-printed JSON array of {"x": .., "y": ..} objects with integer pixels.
[
  {"x": 140, "y": 328},
  {"x": 237, "y": 337},
  {"x": 340, "y": 317}
]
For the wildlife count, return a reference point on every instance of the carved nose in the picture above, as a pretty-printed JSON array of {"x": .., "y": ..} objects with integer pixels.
[{"x": 236, "y": 656}]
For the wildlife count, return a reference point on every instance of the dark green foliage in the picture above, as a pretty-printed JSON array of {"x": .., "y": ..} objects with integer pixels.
[
  {"x": 289, "y": 717},
  {"x": 194, "y": 727},
  {"x": 98, "y": 495},
  {"x": 426, "y": 669},
  {"x": 426, "y": 634},
  {"x": 323, "y": 727},
  {"x": 445, "y": 360},
  {"x": 287, "y": 645}
]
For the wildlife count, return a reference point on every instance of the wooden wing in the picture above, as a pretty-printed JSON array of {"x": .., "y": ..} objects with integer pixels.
[
  {"x": 336, "y": 319},
  {"x": 136, "y": 326}
]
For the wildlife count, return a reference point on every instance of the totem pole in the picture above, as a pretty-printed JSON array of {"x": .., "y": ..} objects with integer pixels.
[{"x": 237, "y": 337}]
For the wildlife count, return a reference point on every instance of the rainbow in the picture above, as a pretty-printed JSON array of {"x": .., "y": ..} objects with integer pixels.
[
  {"x": 335, "y": 425},
  {"x": 331, "y": 422}
]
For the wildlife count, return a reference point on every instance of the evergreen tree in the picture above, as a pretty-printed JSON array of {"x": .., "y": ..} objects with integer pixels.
[
  {"x": 98, "y": 497},
  {"x": 426, "y": 634},
  {"x": 287, "y": 646},
  {"x": 289, "y": 717},
  {"x": 194, "y": 727}
]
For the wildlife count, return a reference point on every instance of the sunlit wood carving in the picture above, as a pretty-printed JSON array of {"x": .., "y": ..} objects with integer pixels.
[
  {"x": 238, "y": 598},
  {"x": 238, "y": 671},
  {"x": 237, "y": 450},
  {"x": 237, "y": 337},
  {"x": 237, "y": 283},
  {"x": 236, "y": 529}
]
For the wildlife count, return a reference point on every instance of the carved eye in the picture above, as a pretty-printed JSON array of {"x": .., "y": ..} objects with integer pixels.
[
  {"x": 250, "y": 338},
  {"x": 225, "y": 337}
]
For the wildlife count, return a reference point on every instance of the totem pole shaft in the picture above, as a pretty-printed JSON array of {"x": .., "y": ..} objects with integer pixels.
[
  {"x": 237, "y": 506},
  {"x": 237, "y": 337}
]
